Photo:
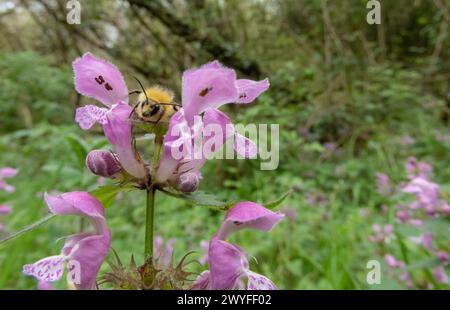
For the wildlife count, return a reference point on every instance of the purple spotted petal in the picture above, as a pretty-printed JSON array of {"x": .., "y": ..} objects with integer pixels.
[
  {"x": 207, "y": 87},
  {"x": 257, "y": 281},
  {"x": 118, "y": 132},
  {"x": 48, "y": 269},
  {"x": 83, "y": 253},
  {"x": 249, "y": 90},
  {"x": 88, "y": 115},
  {"x": 99, "y": 79},
  {"x": 248, "y": 215}
]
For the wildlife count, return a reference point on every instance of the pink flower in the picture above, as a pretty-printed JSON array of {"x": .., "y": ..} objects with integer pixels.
[
  {"x": 204, "y": 246},
  {"x": 426, "y": 192},
  {"x": 427, "y": 241},
  {"x": 443, "y": 257},
  {"x": 7, "y": 172},
  {"x": 5, "y": 209},
  {"x": 163, "y": 255},
  {"x": 382, "y": 234},
  {"x": 204, "y": 90},
  {"x": 407, "y": 140},
  {"x": 102, "y": 81},
  {"x": 416, "y": 168},
  {"x": 228, "y": 263},
  {"x": 440, "y": 275},
  {"x": 383, "y": 184},
  {"x": 82, "y": 253}
]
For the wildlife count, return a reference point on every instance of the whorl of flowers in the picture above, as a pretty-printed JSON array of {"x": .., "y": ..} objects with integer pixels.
[{"x": 204, "y": 90}]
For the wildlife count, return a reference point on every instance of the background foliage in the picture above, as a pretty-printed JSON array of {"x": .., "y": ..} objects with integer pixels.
[{"x": 345, "y": 94}]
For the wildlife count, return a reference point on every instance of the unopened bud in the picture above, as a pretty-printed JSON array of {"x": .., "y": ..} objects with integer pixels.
[
  {"x": 103, "y": 163},
  {"x": 188, "y": 182}
]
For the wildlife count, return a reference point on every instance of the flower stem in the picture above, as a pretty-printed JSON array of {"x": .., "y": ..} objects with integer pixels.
[
  {"x": 149, "y": 221},
  {"x": 150, "y": 204}
]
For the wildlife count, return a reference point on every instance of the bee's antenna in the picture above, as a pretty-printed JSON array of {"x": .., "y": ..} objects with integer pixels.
[{"x": 142, "y": 88}]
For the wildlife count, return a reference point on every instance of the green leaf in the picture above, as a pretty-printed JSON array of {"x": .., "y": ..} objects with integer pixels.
[
  {"x": 107, "y": 194},
  {"x": 203, "y": 199},
  {"x": 277, "y": 202},
  {"x": 78, "y": 148}
]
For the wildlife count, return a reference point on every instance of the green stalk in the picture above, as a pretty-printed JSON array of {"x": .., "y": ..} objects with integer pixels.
[
  {"x": 149, "y": 222},
  {"x": 150, "y": 204}
]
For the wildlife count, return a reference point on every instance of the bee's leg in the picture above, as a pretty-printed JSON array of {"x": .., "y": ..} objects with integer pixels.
[
  {"x": 160, "y": 117},
  {"x": 134, "y": 110}
]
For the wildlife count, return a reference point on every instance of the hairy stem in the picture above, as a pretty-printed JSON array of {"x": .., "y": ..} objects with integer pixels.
[{"x": 149, "y": 221}]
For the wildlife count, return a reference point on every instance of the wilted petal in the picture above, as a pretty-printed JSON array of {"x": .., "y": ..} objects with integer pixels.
[
  {"x": 207, "y": 87},
  {"x": 248, "y": 214},
  {"x": 118, "y": 132},
  {"x": 249, "y": 90},
  {"x": 257, "y": 281},
  {"x": 88, "y": 115},
  {"x": 99, "y": 79},
  {"x": 226, "y": 262},
  {"x": 48, "y": 269}
]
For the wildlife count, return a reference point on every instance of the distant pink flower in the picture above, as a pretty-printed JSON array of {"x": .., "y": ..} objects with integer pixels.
[
  {"x": 443, "y": 257},
  {"x": 204, "y": 247},
  {"x": 416, "y": 222},
  {"x": 82, "y": 253},
  {"x": 290, "y": 213},
  {"x": 5, "y": 209},
  {"x": 407, "y": 140},
  {"x": 101, "y": 80},
  {"x": 391, "y": 261},
  {"x": 427, "y": 241},
  {"x": 426, "y": 192},
  {"x": 382, "y": 234},
  {"x": 7, "y": 172},
  {"x": 402, "y": 214},
  {"x": 415, "y": 168},
  {"x": 440, "y": 275},
  {"x": 163, "y": 254},
  {"x": 228, "y": 263},
  {"x": 383, "y": 184}
]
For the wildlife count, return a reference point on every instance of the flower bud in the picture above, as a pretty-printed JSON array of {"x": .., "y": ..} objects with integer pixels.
[
  {"x": 188, "y": 182},
  {"x": 103, "y": 163}
]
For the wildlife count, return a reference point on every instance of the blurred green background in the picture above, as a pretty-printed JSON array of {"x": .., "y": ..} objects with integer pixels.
[{"x": 346, "y": 94}]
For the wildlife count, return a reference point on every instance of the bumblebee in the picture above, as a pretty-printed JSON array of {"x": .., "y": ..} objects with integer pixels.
[{"x": 155, "y": 104}]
